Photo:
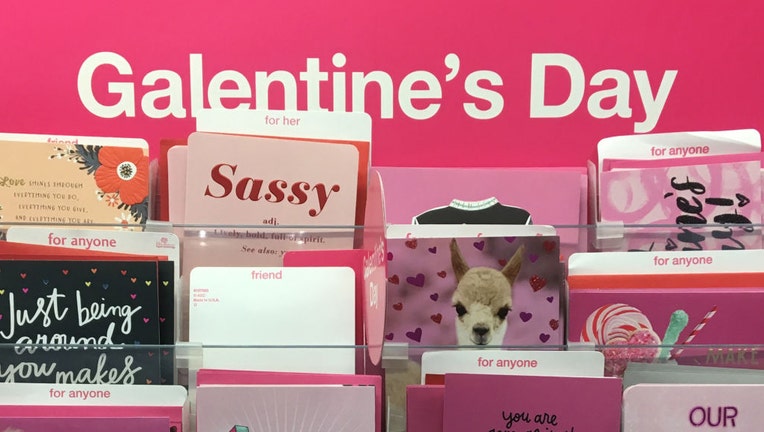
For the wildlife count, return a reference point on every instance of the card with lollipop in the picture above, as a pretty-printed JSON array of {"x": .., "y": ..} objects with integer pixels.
[{"x": 688, "y": 318}]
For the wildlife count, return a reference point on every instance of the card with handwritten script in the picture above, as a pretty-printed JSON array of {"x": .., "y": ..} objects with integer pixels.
[
  {"x": 74, "y": 180},
  {"x": 522, "y": 403},
  {"x": 84, "y": 424},
  {"x": 690, "y": 193},
  {"x": 100, "y": 303}
]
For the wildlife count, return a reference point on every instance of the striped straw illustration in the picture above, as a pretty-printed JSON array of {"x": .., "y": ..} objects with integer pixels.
[{"x": 695, "y": 331}]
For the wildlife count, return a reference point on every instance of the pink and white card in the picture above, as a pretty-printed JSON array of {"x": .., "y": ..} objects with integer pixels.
[
  {"x": 82, "y": 403},
  {"x": 657, "y": 151},
  {"x": 507, "y": 362},
  {"x": 692, "y": 192},
  {"x": 274, "y": 308},
  {"x": 251, "y": 180},
  {"x": 217, "y": 377},
  {"x": 692, "y": 407},
  {"x": 245, "y": 181},
  {"x": 288, "y": 408},
  {"x": 521, "y": 403}
]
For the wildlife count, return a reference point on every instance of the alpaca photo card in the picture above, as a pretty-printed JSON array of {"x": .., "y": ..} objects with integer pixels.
[{"x": 475, "y": 291}]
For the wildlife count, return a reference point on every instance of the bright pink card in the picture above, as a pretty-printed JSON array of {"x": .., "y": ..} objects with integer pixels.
[
  {"x": 424, "y": 408},
  {"x": 523, "y": 403},
  {"x": 688, "y": 195}
]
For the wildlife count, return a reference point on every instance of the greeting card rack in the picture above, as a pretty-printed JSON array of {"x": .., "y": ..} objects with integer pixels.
[{"x": 224, "y": 246}]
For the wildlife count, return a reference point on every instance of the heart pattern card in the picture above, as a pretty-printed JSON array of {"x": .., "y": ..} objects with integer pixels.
[
  {"x": 100, "y": 303},
  {"x": 74, "y": 180},
  {"x": 475, "y": 291}
]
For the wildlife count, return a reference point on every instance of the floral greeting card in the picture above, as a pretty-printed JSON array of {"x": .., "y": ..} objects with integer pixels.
[{"x": 74, "y": 180}]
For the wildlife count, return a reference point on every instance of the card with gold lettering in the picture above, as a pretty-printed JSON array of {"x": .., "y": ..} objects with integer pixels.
[
  {"x": 47, "y": 304},
  {"x": 73, "y": 180}
]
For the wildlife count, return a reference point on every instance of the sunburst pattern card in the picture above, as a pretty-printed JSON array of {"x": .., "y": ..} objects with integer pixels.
[
  {"x": 74, "y": 180},
  {"x": 287, "y": 408}
]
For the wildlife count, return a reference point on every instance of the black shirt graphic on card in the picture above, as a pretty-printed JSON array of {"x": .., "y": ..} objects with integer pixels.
[{"x": 485, "y": 212}]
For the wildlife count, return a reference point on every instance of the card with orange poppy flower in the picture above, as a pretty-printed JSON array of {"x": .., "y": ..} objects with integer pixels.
[{"x": 74, "y": 180}]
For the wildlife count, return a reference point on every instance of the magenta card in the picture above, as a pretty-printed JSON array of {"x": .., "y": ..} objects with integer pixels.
[
  {"x": 424, "y": 408},
  {"x": 428, "y": 304},
  {"x": 528, "y": 403},
  {"x": 688, "y": 195},
  {"x": 84, "y": 424}
]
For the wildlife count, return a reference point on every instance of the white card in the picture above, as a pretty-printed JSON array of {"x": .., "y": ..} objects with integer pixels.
[{"x": 311, "y": 307}]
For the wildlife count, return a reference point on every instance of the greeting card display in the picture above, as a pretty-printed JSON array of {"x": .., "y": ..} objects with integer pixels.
[
  {"x": 104, "y": 303},
  {"x": 475, "y": 291},
  {"x": 74, "y": 180},
  {"x": 692, "y": 299}
]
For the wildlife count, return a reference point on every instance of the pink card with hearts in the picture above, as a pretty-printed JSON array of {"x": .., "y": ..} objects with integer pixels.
[
  {"x": 690, "y": 192},
  {"x": 500, "y": 291}
]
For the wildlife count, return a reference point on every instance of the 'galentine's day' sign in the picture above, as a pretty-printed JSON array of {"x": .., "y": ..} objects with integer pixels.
[{"x": 519, "y": 84}]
